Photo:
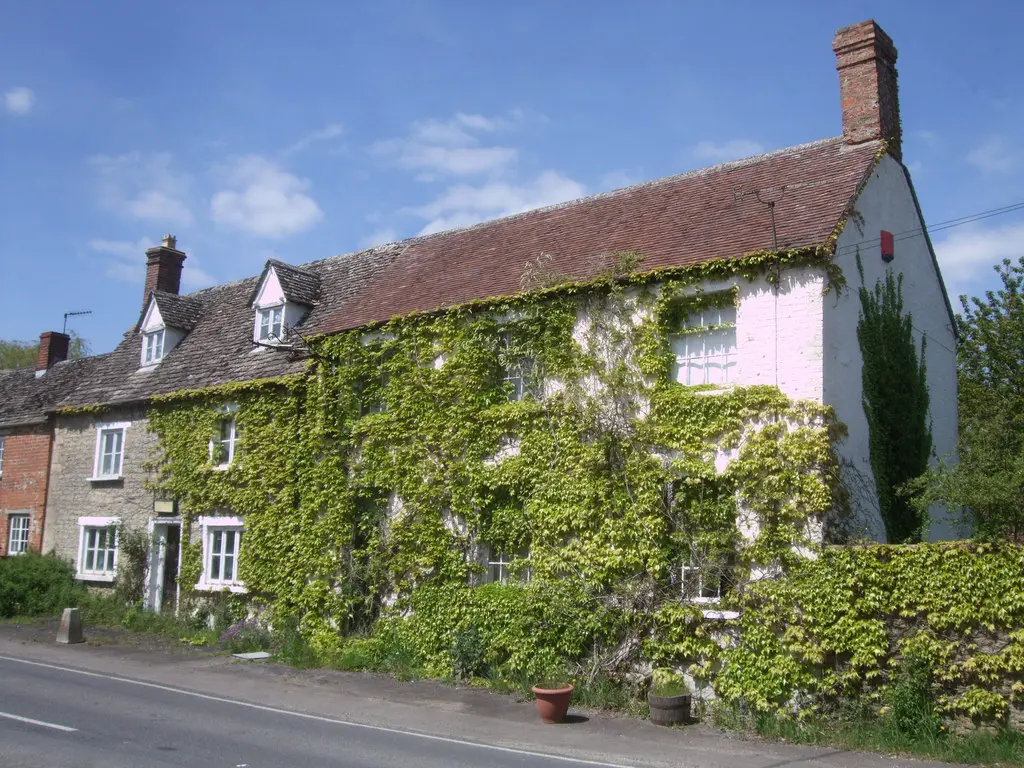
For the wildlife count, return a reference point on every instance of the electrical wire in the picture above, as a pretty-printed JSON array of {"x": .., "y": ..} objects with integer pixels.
[{"x": 942, "y": 225}]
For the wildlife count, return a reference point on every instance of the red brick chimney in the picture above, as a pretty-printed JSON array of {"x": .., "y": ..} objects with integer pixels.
[
  {"x": 53, "y": 348},
  {"x": 163, "y": 268},
  {"x": 866, "y": 60}
]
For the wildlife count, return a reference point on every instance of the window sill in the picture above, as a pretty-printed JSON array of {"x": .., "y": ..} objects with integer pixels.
[
  {"x": 104, "y": 577},
  {"x": 234, "y": 587},
  {"x": 721, "y": 615},
  {"x": 704, "y": 600},
  {"x": 105, "y": 478},
  {"x": 220, "y": 467}
]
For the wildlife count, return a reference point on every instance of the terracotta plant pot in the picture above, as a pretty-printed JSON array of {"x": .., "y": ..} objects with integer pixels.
[
  {"x": 552, "y": 703},
  {"x": 669, "y": 710}
]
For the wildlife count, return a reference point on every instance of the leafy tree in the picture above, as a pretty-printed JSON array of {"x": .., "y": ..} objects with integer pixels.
[
  {"x": 895, "y": 402},
  {"x": 23, "y": 354},
  {"x": 988, "y": 482}
]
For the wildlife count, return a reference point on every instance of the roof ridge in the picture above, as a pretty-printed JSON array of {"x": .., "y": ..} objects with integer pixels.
[
  {"x": 416, "y": 239},
  {"x": 743, "y": 161}
]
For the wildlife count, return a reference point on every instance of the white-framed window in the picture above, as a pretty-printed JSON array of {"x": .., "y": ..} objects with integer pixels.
[
  {"x": 222, "y": 543},
  {"x": 152, "y": 347},
  {"x": 109, "y": 451},
  {"x": 97, "y": 548},
  {"x": 705, "y": 347},
  {"x": 703, "y": 580},
  {"x": 17, "y": 533},
  {"x": 519, "y": 372},
  {"x": 503, "y": 567},
  {"x": 1, "y": 455},
  {"x": 269, "y": 324},
  {"x": 225, "y": 438}
]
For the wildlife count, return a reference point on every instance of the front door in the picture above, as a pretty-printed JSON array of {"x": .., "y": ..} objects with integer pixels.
[{"x": 164, "y": 551}]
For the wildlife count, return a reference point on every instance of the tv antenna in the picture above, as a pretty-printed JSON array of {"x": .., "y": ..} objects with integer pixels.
[
  {"x": 74, "y": 314},
  {"x": 769, "y": 197}
]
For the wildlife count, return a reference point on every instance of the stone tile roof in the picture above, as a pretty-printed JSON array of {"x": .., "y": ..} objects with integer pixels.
[
  {"x": 178, "y": 311},
  {"x": 676, "y": 221},
  {"x": 27, "y": 399},
  {"x": 300, "y": 286},
  {"x": 219, "y": 349}
]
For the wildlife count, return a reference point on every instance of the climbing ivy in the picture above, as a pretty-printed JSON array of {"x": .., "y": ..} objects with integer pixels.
[
  {"x": 841, "y": 625},
  {"x": 895, "y": 397},
  {"x": 373, "y": 486}
]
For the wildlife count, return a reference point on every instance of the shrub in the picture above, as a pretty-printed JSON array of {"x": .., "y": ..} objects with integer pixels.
[
  {"x": 468, "y": 652},
  {"x": 912, "y": 701},
  {"x": 132, "y": 561},
  {"x": 246, "y": 635},
  {"x": 36, "y": 585}
]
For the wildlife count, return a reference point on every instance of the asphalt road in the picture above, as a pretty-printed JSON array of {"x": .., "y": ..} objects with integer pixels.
[{"x": 85, "y": 720}]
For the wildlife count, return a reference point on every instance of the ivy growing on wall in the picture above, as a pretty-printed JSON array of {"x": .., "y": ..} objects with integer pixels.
[
  {"x": 840, "y": 627},
  {"x": 381, "y": 482},
  {"x": 895, "y": 398}
]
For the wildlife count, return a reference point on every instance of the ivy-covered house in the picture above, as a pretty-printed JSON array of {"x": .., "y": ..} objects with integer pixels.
[{"x": 683, "y": 384}]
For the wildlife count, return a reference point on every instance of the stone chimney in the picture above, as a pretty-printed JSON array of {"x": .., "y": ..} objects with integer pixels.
[
  {"x": 53, "y": 348},
  {"x": 163, "y": 268},
  {"x": 866, "y": 60}
]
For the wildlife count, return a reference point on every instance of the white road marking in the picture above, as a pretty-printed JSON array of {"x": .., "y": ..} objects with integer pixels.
[
  {"x": 319, "y": 718},
  {"x": 43, "y": 723}
]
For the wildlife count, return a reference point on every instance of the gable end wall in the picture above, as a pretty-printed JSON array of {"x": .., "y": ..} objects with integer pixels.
[{"x": 887, "y": 203}]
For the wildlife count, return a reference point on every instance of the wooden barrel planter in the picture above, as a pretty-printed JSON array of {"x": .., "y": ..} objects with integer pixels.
[{"x": 669, "y": 710}]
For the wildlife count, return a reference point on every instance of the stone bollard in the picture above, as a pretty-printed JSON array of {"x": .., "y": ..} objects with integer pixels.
[{"x": 70, "y": 627}]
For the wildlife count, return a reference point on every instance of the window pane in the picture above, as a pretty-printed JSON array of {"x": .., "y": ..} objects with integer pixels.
[{"x": 727, "y": 314}]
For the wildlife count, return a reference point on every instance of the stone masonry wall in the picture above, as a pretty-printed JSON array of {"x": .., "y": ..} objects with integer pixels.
[
  {"x": 26, "y": 466},
  {"x": 72, "y": 494}
]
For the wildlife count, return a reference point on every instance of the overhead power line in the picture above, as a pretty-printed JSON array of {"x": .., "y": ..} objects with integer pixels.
[{"x": 942, "y": 225}]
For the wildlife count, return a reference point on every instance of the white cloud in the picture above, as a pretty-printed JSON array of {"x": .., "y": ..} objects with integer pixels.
[
  {"x": 263, "y": 199},
  {"x": 996, "y": 155},
  {"x": 380, "y": 237},
  {"x": 143, "y": 186},
  {"x": 19, "y": 101},
  {"x": 967, "y": 254},
  {"x": 450, "y": 146},
  {"x": 465, "y": 204},
  {"x": 126, "y": 261},
  {"x": 327, "y": 133},
  {"x": 733, "y": 149}
]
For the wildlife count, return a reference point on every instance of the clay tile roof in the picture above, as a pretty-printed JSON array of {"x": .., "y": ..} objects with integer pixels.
[
  {"x": 178, "y": 311},
  {"x": 676, "y": 221},
  {"x": 299, "y": 285}
]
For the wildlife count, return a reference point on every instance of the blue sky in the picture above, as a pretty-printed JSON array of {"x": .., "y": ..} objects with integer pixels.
[{"x": 308, "y": 129}]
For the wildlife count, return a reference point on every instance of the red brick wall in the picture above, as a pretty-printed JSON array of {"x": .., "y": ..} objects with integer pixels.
[
  {"x": 26, "y": 469},
  {"x": 866, "y": 60}
]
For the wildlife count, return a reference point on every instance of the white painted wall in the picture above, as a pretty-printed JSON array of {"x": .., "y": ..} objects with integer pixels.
[
  {"x": 270, "y": 294},
  {"x": 887, "y": 203}
]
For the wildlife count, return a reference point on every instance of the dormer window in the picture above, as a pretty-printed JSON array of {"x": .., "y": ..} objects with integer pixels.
[
  {"x": 152, "y": 347},
  {"x": 281, "y": 300},
  {"x": 166, "y": 321},
  {"x": 269, "y": 324}
]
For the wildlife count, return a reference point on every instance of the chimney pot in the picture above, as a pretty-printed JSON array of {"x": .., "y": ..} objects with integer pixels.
[
  {"x": 866, "y": 60},
  {"x": 53, "y": 348},
  {"x": 163, "y": 268}
]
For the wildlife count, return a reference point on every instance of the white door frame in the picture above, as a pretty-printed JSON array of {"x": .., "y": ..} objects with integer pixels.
[{"x": 157, "y": 562}]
